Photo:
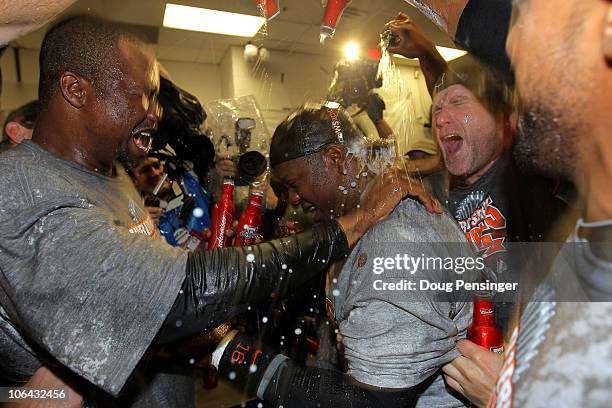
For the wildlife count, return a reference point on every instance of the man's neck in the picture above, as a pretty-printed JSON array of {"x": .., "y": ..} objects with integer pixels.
[
  {"x": 470, "y": 180},
  {"x": 68, "y": 142}
]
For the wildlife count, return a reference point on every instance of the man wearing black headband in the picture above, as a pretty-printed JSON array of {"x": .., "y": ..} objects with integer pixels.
[
  {"x": 85, "y": 284},
  {"x": 395, "y": 340}
]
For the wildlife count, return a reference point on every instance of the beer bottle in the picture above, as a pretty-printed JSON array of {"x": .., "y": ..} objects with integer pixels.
[
  {"x": 249, "y": 225},
  {"x": 483, "y": 330},
  {"x": 223, "y": 215}
]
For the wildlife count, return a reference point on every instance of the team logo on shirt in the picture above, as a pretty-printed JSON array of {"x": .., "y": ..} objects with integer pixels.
[{"x": 482, "y": 223}]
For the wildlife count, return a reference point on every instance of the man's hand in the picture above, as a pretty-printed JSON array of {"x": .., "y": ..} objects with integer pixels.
[
  {"x": 474, "y": 373},
  {"x": 382, "y": 196},
  {"x": 226, "y": 167},
  {"x": 443, "y": 13},
  {"x": 155, "y": 213},
  {"x": 414, "y": 44}
]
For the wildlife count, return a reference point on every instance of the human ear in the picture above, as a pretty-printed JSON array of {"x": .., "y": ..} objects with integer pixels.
[
  {"x": 74, "y": 89},
  {"x": 14, "y": 132},
  {"x": 333, "y": 157}
]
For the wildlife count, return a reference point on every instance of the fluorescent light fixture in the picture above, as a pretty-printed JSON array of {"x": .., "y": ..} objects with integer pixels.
[
  {"x": 211, "y": 21},
  {"x": 448, "y": 54},
  {"x": 351, "y": 51}
]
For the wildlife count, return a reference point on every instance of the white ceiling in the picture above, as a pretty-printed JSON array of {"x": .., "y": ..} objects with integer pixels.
[{"x": 296, "y": 29}]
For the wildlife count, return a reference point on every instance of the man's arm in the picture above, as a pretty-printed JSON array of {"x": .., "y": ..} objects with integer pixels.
[
  {"x": 225, "y": 281},
  {"x": 258, "y": 370},
  {"x": 474, "y": 373},
  {"x": 21, "y": 17},
  {"x": 375, "y": 108},
  {"x": 383, "y": 129},
  {"x": 221, "y": 280},
  {"x": 116, "y": 289},
  {"x": 479, "y": 25},
  {"x": 414, "y": 44},
  {"x": 444, "y": 13}
]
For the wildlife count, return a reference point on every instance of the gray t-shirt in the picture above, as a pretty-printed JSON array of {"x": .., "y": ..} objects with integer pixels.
[
  {"x": 561, "y": 353},
  {"x": 83, "y": 278},
  {"x": 399, "y": 339}
]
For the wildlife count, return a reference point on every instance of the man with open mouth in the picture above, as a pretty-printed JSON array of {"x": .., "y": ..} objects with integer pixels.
[
  {"x": 85, "y": 286},
  {"x": 395, "y": 342},
  {"x": 561, "y": 58},
  {"x": 489, "y": 197}
]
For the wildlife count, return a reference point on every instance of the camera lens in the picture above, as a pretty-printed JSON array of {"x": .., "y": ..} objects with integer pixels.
[{"x": 251, "y": 165}]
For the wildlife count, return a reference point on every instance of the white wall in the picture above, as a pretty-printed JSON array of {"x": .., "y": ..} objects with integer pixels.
[
  {"x": 289, "y": 80},
  {"x": 202, "y": 80},
  {"x": 15, "y": 94},
  {"x": 227, "y": 75},
  {"x": 285, "y": 82}
]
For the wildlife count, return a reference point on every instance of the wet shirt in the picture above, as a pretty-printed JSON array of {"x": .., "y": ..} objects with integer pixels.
[
  {"x": 486, "y": 214},
  {"x": 83, "y": 281},
  {"x": 560, "y": 353},
  {"x": 502, "y": 207},
  {"x": 399, "y": 339}
]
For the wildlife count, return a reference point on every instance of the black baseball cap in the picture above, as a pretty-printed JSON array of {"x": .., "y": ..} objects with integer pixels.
[{"x": 309, "y": 130}]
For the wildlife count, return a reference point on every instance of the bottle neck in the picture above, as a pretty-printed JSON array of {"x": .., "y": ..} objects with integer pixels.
[
  {"x": 255, "y": 205},
  {"x": 256, "y": 200},
  {"x": 484, "y": 314},
  {"x": 228, "y": 191}
]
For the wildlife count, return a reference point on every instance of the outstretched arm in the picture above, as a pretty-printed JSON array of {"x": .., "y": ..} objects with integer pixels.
[
  {"x": 481, "y": 26},
  {"x": 256, "y": 369},
  {"x": 443, "y": 13},
  {"x": 414, "y": 44}
]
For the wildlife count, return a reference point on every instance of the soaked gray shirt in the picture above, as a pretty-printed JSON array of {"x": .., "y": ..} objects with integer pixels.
[
  {"x": 398, "y": 339},
  {"x": 82, "y": 279}
]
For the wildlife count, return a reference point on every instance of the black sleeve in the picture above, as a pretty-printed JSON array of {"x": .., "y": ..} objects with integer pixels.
[
  {"x": 297, "y": 386},
  {"x": 256, "y": 369},
  {"x": 224, "y": 282},
  {"x": 483, "y": 28}
]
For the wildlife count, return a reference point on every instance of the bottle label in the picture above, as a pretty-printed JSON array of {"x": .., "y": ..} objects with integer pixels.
[
  {"x": 248, "y": 232},
  {"x": 486, "y": 311},
  {"x": 499, "y": 349}
]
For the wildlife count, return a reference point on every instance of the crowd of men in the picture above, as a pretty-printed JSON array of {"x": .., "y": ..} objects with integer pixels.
[{"x": 101, "y": 286}]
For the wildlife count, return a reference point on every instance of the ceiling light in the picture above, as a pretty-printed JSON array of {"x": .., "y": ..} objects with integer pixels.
[
  {"x": 211, "y": 21},
  {"x": 351, "y": 51},
  {"x": 450, "y": 54}
]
